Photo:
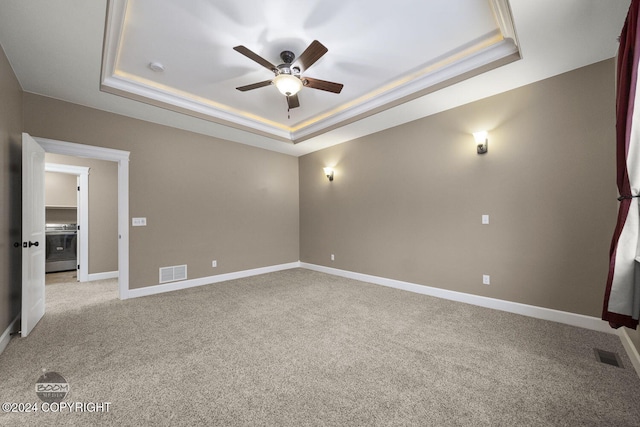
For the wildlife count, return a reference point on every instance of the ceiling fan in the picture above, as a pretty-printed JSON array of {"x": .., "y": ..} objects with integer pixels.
[{"x": 288, "y": 78}]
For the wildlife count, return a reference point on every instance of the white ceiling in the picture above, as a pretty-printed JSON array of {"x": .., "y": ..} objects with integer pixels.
[{"x": 391, "y": 59}]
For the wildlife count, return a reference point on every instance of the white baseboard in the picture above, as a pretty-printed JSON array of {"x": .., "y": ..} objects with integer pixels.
[
  {"x": 6, "y": 335},
  {"x": 184, "y": 284},
  {"x": 572, "y": 319},
  {"x": 102, "y": 276},
  {"x": 631, "y": 349}
]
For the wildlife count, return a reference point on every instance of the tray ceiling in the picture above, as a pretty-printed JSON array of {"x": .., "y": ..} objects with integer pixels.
[{"x": 383, "y": 55}]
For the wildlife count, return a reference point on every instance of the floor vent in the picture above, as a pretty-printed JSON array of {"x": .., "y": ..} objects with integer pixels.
[
  {"x": 171, "y": 274},
  {"x": 608, "y": 357}
]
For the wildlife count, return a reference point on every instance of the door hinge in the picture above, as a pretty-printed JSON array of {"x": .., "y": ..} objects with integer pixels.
[
  {"x": 78, "y": 266},
  {"x": 78, "y": 188}
]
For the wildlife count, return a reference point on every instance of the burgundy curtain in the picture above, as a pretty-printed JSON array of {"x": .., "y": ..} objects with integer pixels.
[{"x": 622, "y": 295}]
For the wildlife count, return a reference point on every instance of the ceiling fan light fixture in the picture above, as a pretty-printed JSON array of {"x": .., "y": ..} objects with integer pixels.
[
  {"x": 287, "y": 84},
  {"x": 287, "y": 76}
]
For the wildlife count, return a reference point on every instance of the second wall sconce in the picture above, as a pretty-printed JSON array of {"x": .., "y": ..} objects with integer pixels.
[
  {"x": 329, "y": 173},
  {"x": 482, "y": 141}
]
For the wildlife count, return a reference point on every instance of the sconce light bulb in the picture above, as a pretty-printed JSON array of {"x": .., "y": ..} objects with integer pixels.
[
  {"x": 481, "y": 136},
  {"x": 482, "y": 141}
]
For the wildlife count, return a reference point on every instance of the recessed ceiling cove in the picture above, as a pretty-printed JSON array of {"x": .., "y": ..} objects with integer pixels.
[{"x": 191, "y": 56}]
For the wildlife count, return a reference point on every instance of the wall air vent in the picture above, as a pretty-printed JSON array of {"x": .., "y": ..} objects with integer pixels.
[{"x": 171, "y": 274}]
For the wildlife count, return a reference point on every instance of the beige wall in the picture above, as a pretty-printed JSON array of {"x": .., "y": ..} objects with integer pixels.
[
  {"x": 60, "y": 198},
  {"x": 406, "y": 203},
  {"x": 60, "y": 216},
  {"x": 204, "y": 198},
  {"x": 103, "y": 209},
  {"x": 10, "y": 193},
  {"x": 60, "y": 189}
]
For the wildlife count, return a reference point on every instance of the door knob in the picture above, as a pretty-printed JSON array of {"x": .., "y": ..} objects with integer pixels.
[
  {"x": 33, "y": 244},
  {"x": 16, "y": 244}
]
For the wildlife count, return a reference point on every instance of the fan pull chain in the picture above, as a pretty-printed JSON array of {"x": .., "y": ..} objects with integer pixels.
[{"x": 288, "y": 109}]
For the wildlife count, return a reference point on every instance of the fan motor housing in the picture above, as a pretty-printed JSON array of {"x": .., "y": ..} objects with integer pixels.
[
  {"x": 287, "y": 69},
  {"x": 284, "y": 69}
]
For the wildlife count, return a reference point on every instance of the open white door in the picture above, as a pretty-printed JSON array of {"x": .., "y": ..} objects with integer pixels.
[{"x": 33, "y": 236}]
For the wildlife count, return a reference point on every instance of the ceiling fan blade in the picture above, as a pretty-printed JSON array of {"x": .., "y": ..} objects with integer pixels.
[
  {"x": 293, "y": 101},
  {"x": 254, "y": 86},
  {"x": 322, "y": 85},
  {"x": 257, "y": 58},
  {"x": 311, "y": 55}
]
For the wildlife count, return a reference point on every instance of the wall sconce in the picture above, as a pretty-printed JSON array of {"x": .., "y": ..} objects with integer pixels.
[
  {"x": 482, "y": 141},
  {"x": 329, "y": 173}
]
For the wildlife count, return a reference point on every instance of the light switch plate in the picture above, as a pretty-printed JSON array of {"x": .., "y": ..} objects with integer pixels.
[{"x": 485, "y": 219}]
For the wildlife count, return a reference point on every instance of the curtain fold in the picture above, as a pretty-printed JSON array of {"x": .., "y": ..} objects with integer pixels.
[{"x": 622, "y": 295}]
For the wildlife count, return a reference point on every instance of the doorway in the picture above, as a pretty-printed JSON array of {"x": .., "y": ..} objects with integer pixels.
[
  {"x": 122, "y": 159},
  {"x": 80, "y": 211}
]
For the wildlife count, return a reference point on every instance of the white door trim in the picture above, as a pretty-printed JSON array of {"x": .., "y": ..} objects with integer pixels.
[
  {"x": 83, "y": 208},
  {"x": 122, "y": 158}
]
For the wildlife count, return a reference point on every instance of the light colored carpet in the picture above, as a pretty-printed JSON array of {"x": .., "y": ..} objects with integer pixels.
[{"x": 298, "y": 348}]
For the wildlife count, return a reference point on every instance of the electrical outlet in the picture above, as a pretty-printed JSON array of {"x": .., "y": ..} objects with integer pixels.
[
  {"x": 333, "y": 257},
  {"x": 485, "y": 219},
  {"x": 214, "y": 263},
  {"x": 486, "y": 279},
  {"x": 138, "y": 222}
]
